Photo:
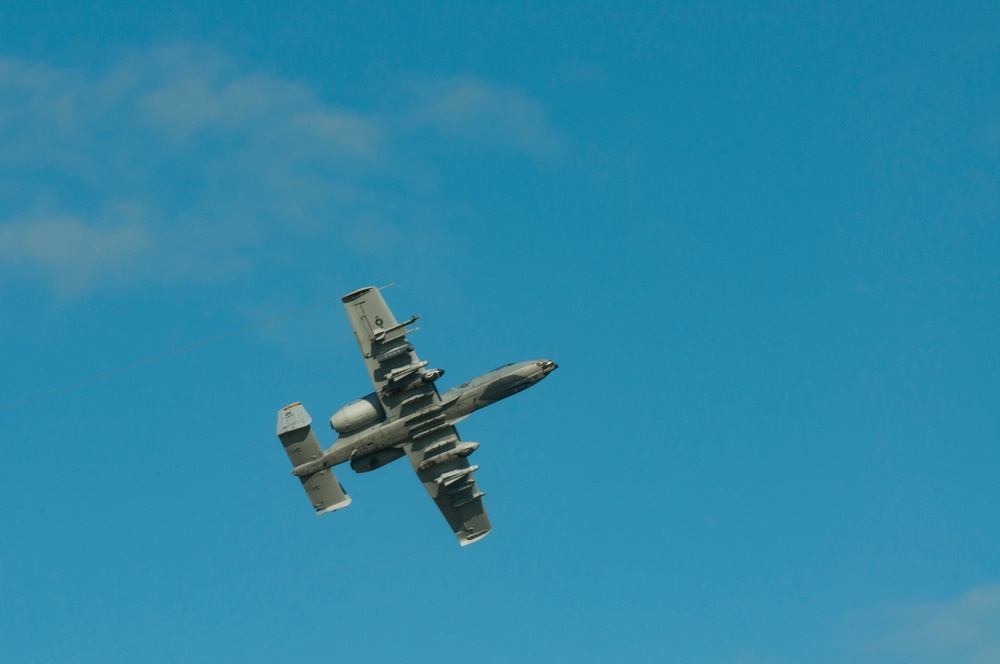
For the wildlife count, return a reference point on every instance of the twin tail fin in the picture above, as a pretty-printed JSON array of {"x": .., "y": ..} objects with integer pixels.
[{"x": 296, "y": 434}]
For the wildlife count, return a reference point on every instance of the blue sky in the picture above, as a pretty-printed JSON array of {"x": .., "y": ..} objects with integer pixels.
[{"x": 762, "y": 244}]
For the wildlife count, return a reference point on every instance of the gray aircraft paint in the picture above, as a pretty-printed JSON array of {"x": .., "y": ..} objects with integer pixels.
[{"x": 404, "y": 416}]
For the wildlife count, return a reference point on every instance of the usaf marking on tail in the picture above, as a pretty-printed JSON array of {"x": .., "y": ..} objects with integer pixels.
[{"x": 404, "y": 416}]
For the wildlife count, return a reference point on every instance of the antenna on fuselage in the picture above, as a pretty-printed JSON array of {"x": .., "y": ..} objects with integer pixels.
[{"x": 381, "y": 288}]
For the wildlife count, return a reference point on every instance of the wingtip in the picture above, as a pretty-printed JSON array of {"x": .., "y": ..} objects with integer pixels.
[
  {"x": 336, "y": 506},
  {"x": 465, "y": 540},
  {"x": 353, "y": 295}
]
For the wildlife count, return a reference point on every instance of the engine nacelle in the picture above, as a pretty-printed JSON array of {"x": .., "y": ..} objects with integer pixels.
[
  {"x": 358, "y": 414},
  {"x": 375, "y": 460}
]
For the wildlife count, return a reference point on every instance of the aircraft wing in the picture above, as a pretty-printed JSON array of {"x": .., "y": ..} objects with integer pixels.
[
  {"x": 438, "y": 457},
  {"x": 406, "y": 389},
  {"x": 397, "y": 373}
]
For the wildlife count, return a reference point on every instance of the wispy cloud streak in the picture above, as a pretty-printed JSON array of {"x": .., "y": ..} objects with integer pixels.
[
  {"x": 965, "y": 630},
  {"x": 179, "y": 165},
  {"x": 469, "y": 109}
]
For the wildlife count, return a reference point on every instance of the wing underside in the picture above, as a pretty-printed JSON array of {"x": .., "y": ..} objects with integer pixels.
[
  {"x": 401, "y": 383},
  {"x": 406, "y": 390},
  {"x": 449, "y": 479}
]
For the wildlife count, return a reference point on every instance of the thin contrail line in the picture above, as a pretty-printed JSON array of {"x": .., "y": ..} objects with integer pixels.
[{"x": 155, "y": 358}]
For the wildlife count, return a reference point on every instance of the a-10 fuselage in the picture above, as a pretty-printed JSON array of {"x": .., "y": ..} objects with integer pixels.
[{"x": 379, "y": 434}]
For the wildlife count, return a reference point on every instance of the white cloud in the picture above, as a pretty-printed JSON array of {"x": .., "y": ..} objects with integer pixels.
[
  {"x": 178, "y": 165},
  {"x": 474, "y": 110},
  {"x": 965, "y": 630},
  {"x": 73, "y": 256},
  {"x": 206, "y": 94}
]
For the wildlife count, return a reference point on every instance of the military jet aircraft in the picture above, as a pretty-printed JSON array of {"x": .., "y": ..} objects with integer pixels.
[{"x": 404, "y": 416}]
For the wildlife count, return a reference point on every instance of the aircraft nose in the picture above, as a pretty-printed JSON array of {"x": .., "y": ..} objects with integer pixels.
[{"x": 548, "y": 366}]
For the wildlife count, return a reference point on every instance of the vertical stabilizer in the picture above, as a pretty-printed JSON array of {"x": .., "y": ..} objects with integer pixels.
[{"x": 296, "y": 434}]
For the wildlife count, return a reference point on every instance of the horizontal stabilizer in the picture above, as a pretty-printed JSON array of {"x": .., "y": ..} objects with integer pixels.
[{"x": 296, "y": 434}]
